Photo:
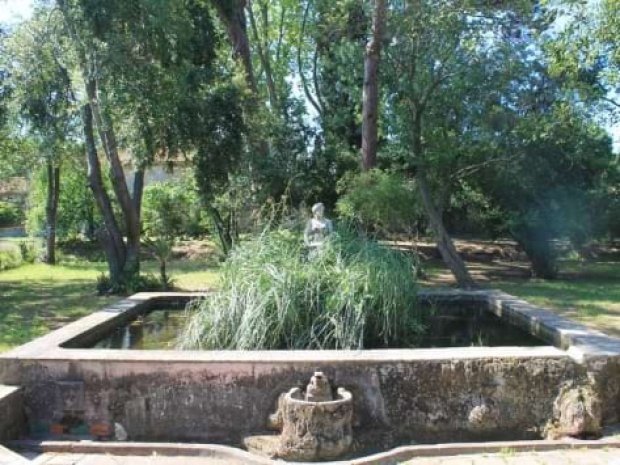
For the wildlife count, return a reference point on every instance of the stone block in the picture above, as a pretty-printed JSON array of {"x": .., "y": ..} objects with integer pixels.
[{"x": 12, "y": 419}]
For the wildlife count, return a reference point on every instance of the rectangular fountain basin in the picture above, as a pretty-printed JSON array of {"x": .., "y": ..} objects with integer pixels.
[
  {"x": 158, "y": 328},
  {"x": 402, "y": 395}
]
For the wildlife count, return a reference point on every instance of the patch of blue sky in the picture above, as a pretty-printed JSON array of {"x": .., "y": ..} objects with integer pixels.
[{"x": 13, "y": 12}]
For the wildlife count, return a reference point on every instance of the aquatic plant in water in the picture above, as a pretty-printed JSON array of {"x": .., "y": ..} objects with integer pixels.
[{"x": 355, "y": 293}]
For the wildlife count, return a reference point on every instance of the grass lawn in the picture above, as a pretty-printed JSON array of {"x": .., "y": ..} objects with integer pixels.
[
  {"x": 35, "y": 299},
  {"x": 586, "y": 293}
]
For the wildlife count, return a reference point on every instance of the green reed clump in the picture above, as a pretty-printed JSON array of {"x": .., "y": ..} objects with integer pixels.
[{"x": 353, "y": 294}]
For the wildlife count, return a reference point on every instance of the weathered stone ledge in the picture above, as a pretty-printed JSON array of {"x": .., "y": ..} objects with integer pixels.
[{"x": 390, "y": 457}]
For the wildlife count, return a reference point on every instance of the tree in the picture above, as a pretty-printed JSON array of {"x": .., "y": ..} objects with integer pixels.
[
  {"x": 425, "y": 57},
  {"x": 548, "y": 188},
  {"x": 584, "y": 50},
  {"x": 44, "y": 101},
  {"x": 218, "y": 140},
  {"x": 136, "y": 60},
  {"x": 371, "y": 88},
  {"x": 232, "y": 15},
  {"x": 76, "y": 211},
  {"x": 167, "y": 208},
  {"x": 382, "y": 203}
]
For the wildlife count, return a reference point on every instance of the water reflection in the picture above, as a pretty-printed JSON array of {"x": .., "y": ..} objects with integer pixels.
[
  {"x": 155, "y": 330},
  {"x": 159, "y": 329}
]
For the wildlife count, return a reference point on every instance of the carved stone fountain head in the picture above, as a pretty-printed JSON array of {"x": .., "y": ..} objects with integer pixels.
[{"x": 315, "y": 424}]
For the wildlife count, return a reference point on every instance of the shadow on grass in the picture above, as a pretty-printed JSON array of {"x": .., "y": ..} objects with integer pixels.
[
  {"x": 36, "y": 299},
  {"x": 31, "y": 308},
  {"x": 593, "y": 298},
  {"x": 148, "y": 266}
]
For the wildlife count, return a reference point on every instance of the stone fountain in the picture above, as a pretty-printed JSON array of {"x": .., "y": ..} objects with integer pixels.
[{"x": 315, "y": 424}]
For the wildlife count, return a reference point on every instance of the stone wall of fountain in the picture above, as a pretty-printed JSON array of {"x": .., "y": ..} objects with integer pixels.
[{"x": 425, "y": 395}]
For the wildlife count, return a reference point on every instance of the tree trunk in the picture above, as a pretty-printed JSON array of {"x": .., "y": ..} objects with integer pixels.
[
  {"x": 111, "y": 238},
  {"x": 371, "y": 89},
  {"x": 119, "y": 183},
  {"x": 263, "y": 48},
  {"x": 223, "y": 233},
  {"x": 117, "y": 175},
  {"x": 132, "y": 266},
  {"x": 232, "y": 14},
  {"x": 138, "y": 190},
  {"x": 539, "y": 250},
  {"x": 51, "y": 211},
  {"x": 444, "y": 242},
  {"x": 163, "y": 275}
]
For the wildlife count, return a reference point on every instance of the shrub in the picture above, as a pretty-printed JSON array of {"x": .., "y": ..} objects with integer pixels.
[
  {"x": 143, "y": 283},
  {"x": 10, "y": 214},
  {"x": 29, "y": 251},
  {"x": 381, "y": 202},
  {"x": 353, "y": 294},
  {"x": 171, "y": 209},
  {"x": 104, "y": 284},
  {"x": 10, "y": 258},
  {"x": 161, "y": 249}
]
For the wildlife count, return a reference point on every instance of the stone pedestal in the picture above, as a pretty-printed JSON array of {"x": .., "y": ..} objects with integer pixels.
[
  {"x": 315, "y": 430},
  {"x": 315, "y": 424}
]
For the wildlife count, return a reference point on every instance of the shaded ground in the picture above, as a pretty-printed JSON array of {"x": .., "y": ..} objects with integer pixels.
[{"x": 101, "y": 459}]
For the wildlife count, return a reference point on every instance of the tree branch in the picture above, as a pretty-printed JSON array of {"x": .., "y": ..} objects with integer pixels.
[{"x": 304, "y": 82}]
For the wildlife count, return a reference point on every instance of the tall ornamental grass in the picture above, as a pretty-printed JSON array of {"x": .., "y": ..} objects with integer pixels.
[{"x": 354, "y": 293}]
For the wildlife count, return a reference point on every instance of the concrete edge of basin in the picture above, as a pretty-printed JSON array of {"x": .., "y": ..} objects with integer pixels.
[
  {"x": 141, "y": 449},
  {"x": 7, "y": 456},
  {"x": 390, "y": 457},
  {"x": 400, "y": 454}
]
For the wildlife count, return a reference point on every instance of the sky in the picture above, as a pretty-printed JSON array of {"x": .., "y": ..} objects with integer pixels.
[{"x": 14, "y": 11}]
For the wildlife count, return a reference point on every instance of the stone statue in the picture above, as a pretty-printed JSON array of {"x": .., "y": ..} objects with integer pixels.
[{"x": 317, "y": 228}]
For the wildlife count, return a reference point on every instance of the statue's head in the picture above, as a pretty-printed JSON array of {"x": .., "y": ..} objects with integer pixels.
[{"x": 318, "y": 210}]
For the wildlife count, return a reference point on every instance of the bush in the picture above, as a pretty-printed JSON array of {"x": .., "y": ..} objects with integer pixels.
[
  {"x": 10, "y": 258},
  {"x": 143, "y": 283},
  {"x": 10, "y": 215},
  {"x": 29, "y": 251},
  {"x": 353, "y": 294},
  {"x": 171, "y": 209},
  {"x": 381, "y": 202}
]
